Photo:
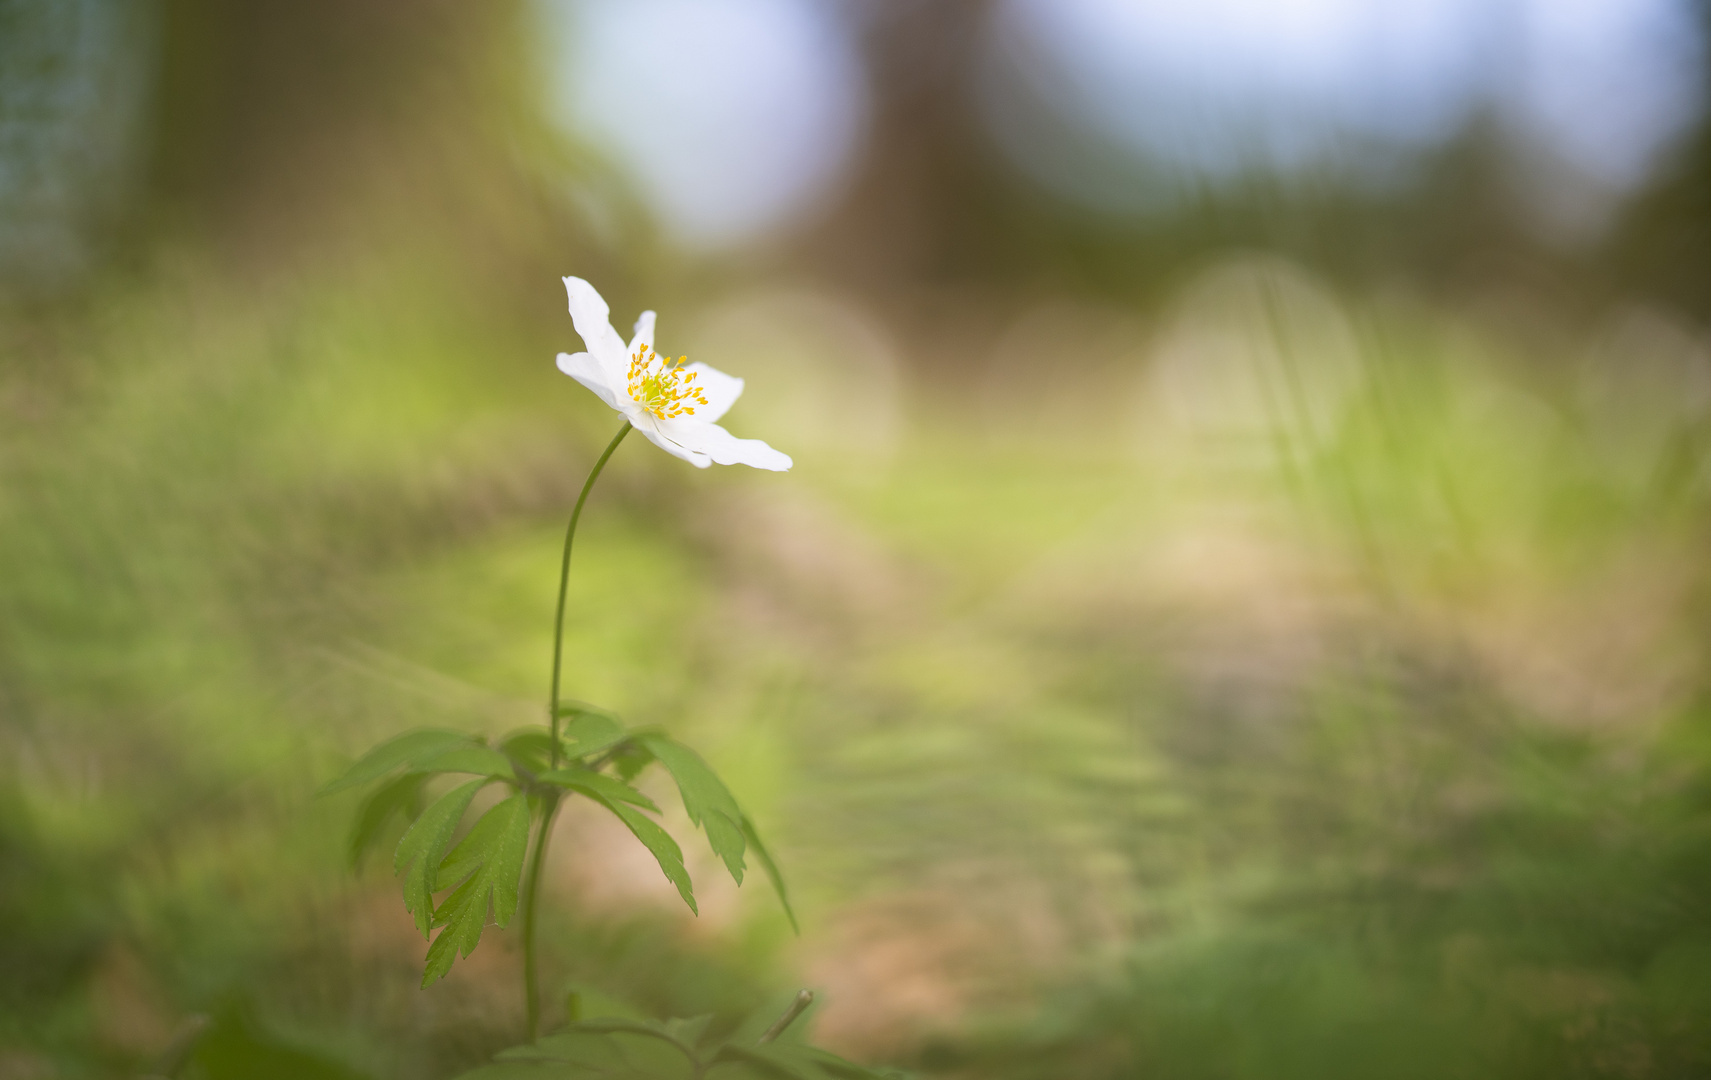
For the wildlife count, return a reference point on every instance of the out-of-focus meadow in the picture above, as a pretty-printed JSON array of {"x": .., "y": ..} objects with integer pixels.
[{"x": 1239, "y": 610}]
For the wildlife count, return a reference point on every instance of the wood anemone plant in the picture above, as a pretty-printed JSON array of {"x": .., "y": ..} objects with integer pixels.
[{"x": 431, "y": 779}]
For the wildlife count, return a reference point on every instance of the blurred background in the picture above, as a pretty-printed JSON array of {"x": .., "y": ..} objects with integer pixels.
[{"x": 1240, "y": 609}]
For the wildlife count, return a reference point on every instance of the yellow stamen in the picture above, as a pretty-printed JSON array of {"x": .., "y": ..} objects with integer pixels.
[{"x": 662, "y": 387}]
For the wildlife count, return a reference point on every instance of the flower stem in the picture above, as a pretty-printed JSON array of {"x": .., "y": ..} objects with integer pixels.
[
  {"x": 798, "y": 1006},
  {"x": 549, "y": 808},
  {"x": 531, "y": 993},
  {"x": 564, "y": 580}
]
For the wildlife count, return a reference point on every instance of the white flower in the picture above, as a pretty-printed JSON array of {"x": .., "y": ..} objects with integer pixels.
[{"x": 673, "y": 404}]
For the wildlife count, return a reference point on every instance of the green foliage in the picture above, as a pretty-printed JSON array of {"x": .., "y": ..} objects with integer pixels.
[
  {"x": 599, "y": 786},
  {"x": 406, "y": 749},
  {"x": 660, "y": 843},
  {"x": 590, "y": 732},
  {"x": 484, "y": 871},
  {"x": 529, "y": 748},
  {"x": 54, "y": 921},
  {"x": 237, "y": 1045},
  {"x": 710, "y": 804},
  {"x": 490, "y": 858},
  {"x": 773, "y": 873},
  {"x": 418, "y": 855},
  {"x": 679, "y": 1049},
  {"x": 468, "y": 759},
  {"x": 705, "y": 797},
  {"x": 400, "y": 795}
]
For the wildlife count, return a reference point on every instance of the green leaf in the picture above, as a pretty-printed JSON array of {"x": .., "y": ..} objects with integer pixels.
[
  {"x": 491, "y": 855},
  {"x": 599, "y": 786},
  {"x": 650, "y": 1059},
  {"x": 841, "y": 1069},
  {"x": 773, "y": 874},
  {"x": 418, "y": 854},
  {"x": 591, "y": 733},
  {"x": 656, "y": 840},
  {"x": 705, "y": 797},
  {"x": 489, "y": 836},
  {"x": 569, "y": 707},
  {"x": 617, "y": 1048},
  {"x": 589, "y": 1049},
  {"x": 550, "y": 1069},
  {"x": 618, "y": 1025},
  {"x": 659, "y": 1054},
  {"x": 519, "y": 1070},
  {"x": 473, "y": 758},
  {"x": 612, "y": 1025},
  {"x": 401, "y": 795},
  {"x": 768, "y": 1062},
  {"x": 793, "y": 1061},
  {"x": 629, "y": 758},
  {"x": 402, "y": 750},
  {"x": 530, "y": 747},
  {"x": 688, "y": 1031}
]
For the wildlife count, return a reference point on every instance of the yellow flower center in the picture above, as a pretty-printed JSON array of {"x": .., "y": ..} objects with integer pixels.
[{"x": 662, "y": 387}]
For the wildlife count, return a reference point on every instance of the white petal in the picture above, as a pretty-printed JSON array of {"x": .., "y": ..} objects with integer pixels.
[
  {"x": 593, "y": 320},
  {"x": 720, "y": 390},
  {"x": 723, "y": 447},
  {"x": 586, "y": 370},
  {"x": 644, "y": 333},
  {"x": 649, "y": 426}
]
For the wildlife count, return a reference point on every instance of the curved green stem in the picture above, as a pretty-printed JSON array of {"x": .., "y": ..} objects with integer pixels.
[
  {"x": 531, "y": 994},
  {"x": 564, "y": 580}
]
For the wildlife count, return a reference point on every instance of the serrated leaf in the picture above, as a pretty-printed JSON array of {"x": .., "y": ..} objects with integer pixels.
[
  {"x": 709, "y": 803},
  {"x": 658, "y": 841},
  {"x": 418, "y": 854},
  {"x": 400, "y": 750},
  {"x": 599, "y": 786},
  {"x": 402, "y": 795},
  {"x": 773, "y": 874},
  {"x": 473, "y": 758},
  {"x": 497, "y": 865},
  {"x": 490, "y": 837},
  {"x": 492, "y": 857}
]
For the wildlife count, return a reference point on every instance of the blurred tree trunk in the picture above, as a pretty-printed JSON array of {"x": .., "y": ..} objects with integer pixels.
[
  {"x": 277, "y": 119},
  {"x": 1664, "y": 244},
  {"x": 918, "y": 205}
]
